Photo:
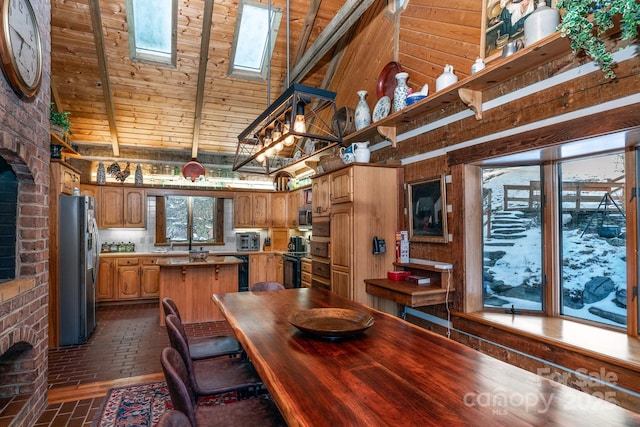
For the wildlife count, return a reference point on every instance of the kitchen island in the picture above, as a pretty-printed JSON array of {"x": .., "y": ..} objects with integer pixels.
[{"x": 191, "y": 283}]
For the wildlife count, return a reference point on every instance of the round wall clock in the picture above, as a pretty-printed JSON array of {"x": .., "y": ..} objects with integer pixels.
[{"x": 20, "y": 47}]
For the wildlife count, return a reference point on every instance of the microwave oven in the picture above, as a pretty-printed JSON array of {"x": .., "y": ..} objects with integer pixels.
[
  {"x": 304, "y": 217},
  {"x": 247, "y": 242}
]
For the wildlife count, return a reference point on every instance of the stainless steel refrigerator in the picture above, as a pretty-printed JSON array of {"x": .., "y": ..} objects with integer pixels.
[{"x": 78, "y": 268}]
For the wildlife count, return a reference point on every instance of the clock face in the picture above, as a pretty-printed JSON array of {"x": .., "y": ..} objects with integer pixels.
[{"x": 21, "y": 49}]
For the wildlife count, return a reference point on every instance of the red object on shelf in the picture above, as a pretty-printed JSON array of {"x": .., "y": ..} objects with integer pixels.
[
  {"x": 397, "y": 275},
  {"x": 387, "y": 80}
]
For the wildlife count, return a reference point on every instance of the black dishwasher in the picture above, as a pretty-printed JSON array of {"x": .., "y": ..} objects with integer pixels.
[{"x": 243, "y": 273}]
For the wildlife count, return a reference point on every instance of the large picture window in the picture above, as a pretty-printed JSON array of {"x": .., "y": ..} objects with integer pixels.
[
  {"x": 512, "y": 238},
  {"x": 593, "y": 244},
  {"x": 560, "y": 248}
]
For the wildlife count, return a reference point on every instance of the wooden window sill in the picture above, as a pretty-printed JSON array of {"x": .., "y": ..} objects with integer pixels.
[{"x": 602, "y": 344}]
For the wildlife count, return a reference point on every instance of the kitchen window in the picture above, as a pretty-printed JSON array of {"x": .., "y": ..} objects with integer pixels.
[
  {"x": 189, "y": 220},
  {"x": 152, "y": 30},
  {"x": 566, "y": 257}
]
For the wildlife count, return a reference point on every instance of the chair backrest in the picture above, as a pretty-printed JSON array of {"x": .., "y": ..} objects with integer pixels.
[
  {"x": 175, "y": 373},
  {"x": 267, "y": 286},
  {"x": 178, "y": 340},
  {"x": 169, "y": 307},
  {"x": 173, "y": 418}
]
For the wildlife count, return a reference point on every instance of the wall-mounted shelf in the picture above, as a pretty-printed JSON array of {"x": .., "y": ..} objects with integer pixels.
[
  {"x": 67, "y": 150},
  {"x": 413, "y": 295},
  {"x": 468, "y": 90}
]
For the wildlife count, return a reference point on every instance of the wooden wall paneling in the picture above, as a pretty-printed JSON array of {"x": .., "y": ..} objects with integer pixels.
[
  {"x": 469, "y": 291},
  {"x": 372, "y": 44},
  {"x": 453, "y": 37}
]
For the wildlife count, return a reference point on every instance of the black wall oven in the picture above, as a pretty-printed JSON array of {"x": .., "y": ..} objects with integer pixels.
[{"x": 292, "y": 266}]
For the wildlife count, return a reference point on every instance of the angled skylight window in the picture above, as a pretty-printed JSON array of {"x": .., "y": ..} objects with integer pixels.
[
  {"x": 152, "y": 30},
  {"x": 252, "y": 42}
]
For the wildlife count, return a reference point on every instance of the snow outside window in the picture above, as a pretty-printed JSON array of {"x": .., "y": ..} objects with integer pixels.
[
  {"x": 593, "y": 244},
  {"x": 512, "y": 238}
]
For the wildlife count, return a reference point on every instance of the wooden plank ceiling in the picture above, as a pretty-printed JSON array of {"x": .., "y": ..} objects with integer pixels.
[{"x": 118, "y": 105}]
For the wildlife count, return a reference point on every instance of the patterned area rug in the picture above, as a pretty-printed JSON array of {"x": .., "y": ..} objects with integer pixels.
[{"x": 143, "y": 404}]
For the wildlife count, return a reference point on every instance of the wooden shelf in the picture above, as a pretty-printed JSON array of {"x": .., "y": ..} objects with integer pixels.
[
  {"x": 406, "y": 293},
  {"x": 412, "y": 294},
  {"x": 468, "y": 90},
  {"x": 68, "y": 150}
]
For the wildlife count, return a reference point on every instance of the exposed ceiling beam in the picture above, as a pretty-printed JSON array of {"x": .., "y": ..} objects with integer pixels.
[
  {"x": 346, "y": 17},
  {"x": 202, "y": 74},
  {"x": 96, "y": 21},
  {"x": 337, "y": 56},
  {"x": 309, "y": 20}
]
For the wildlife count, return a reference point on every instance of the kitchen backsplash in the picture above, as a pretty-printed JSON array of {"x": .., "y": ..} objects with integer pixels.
[{"x": 144, "y": 239}]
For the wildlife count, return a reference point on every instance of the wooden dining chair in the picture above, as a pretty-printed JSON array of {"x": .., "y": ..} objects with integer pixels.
[
  {"x": 205, "y": 347},
  {"x": 216, "y": 375},
  {"x": 266, "y": 286},
  {"x": 257, "y": 411}
]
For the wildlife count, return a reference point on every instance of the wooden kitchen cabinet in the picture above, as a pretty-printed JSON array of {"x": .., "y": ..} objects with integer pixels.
[
  {"x": 305, "y": 265},
  {"x": 293, "y": 204},
  {"x": 149, "y": 278},
  {"x": 321, "y": 199},
  {"x": 91, "y": 191},
  {"x": 105, "y": 289},
  {"x": 354, "y": 221},
  {"x": 122, "y": 207},
  {"x": 262, "y": 268},
  {"x": 64, "y": 178},
  {"x": 128, "y": 273},
  {"x": 279, "y": 269},
  {"x": 127, "y": 278},
  {"x": 342, "y": 186},
  {"x": 252, "y": 210},
  {"x": 279, "y": 211}
]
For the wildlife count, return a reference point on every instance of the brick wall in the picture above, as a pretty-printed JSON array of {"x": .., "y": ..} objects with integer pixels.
[{"x": 24, "y": 145}]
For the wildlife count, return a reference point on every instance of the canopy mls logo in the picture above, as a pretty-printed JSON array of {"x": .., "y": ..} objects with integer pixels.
[{"x": 501, "y": 400}]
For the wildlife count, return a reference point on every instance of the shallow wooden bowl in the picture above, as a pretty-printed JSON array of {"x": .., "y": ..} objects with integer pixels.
[{"x": 331, "y": 322}]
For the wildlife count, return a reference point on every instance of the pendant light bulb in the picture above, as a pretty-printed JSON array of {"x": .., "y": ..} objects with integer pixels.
[
  {"x": 299, "y": 125},
  {"x": 289, "y": 140}
]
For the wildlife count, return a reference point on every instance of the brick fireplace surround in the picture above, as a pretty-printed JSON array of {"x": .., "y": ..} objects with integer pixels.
[{"x": 24, "y": 299}]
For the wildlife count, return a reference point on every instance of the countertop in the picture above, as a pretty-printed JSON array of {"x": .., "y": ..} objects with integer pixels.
[
  {"x": 211, "y": 260},
  {"x": 162, "y": 254}
]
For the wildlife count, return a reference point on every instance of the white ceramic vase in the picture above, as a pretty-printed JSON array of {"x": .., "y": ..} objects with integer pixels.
[
  {"x": 447, "y": 78},
  {"x": 541, "y": 23},
  {"x": 362, "y": 152},
  {"x": 363, "y": 112},
  {"x": 400, "y": 92}
]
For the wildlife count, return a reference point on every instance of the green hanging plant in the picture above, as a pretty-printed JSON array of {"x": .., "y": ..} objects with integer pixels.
[
  {"x": 60, "y": 119},
  {"x": 585, "y": 22}
]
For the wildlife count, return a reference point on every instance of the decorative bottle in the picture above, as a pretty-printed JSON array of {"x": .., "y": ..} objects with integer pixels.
[
  {"x": 101, "y": 176},
  {"x": 477, "y": 66},
  {"x": 447, "y": 78},
  {"x": 400, "y": 92},
  {"x": 541, "y": 23},
  {"x": 138, "y": 176},
  {"x": 363, "y": 113}
]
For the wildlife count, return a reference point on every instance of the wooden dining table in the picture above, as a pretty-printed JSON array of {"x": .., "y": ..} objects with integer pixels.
[{"x": 394, "y": 373}]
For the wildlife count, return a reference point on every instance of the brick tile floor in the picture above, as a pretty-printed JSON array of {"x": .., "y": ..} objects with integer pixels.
[{"x": 126, "y": 343}]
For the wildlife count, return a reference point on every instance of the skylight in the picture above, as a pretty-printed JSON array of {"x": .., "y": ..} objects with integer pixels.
[
  {"x": 152, "y": 30},
  {"x": 251, "y": 45}
]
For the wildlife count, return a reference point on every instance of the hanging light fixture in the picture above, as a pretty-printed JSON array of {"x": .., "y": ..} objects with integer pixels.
[
  {"x": 309, "y": 109},
  {"x": 301, "y": 113}
]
